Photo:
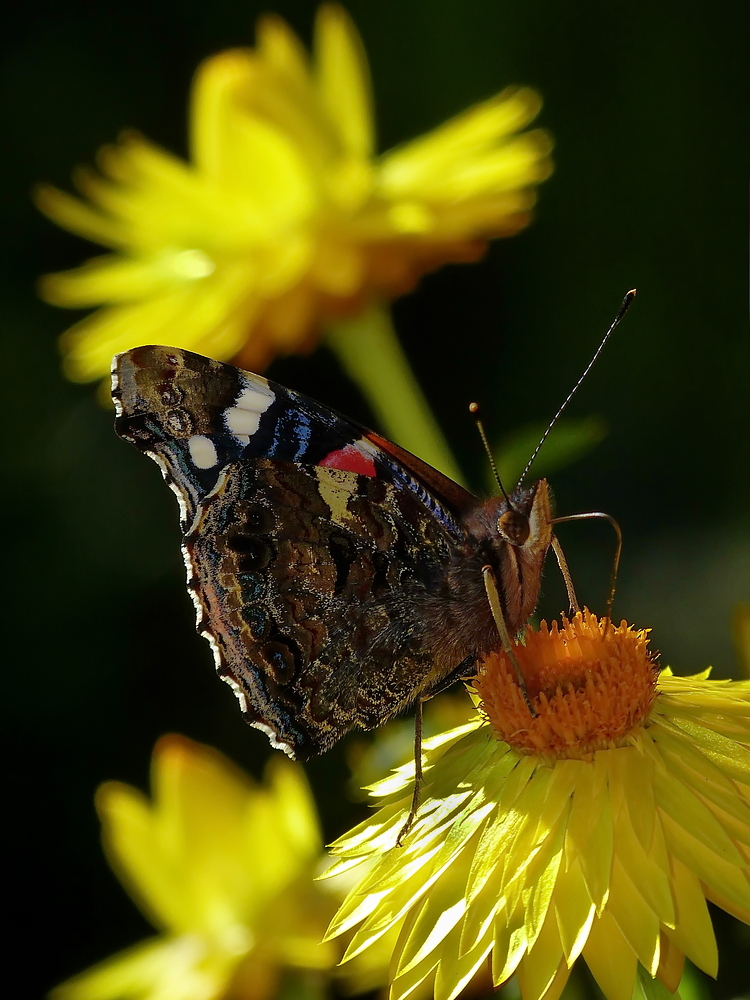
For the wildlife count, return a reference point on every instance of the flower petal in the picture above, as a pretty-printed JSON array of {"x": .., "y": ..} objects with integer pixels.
[
  {"x": 73, "y": 214},
  {"x": 634, "y": 917},
  {"x": 406, "y": 169},
  {"x": 137, "y": 854},
  {"x": 457, "y": 969},
  {"x": 574, "y": 910},
  {"x": 187, "y": 316},
  {"x": 158, "y": 969},
  {"x": 344, "y": 79},
  {"x": 541, "y": 967},
  {"x": 610, "y": 958},
  {"x": 590, "y": 830},
  {"x": 693, "y": 933}
]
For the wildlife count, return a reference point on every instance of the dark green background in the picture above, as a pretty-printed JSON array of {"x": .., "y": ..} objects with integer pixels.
[{"x": 647, "y": 102}]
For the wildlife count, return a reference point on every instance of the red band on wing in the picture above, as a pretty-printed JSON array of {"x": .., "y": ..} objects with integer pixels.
[{"x": 350, "y": 459}]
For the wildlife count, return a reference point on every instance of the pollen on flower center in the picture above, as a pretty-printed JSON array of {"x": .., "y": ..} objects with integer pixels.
[{"x": 588, "y": 686}]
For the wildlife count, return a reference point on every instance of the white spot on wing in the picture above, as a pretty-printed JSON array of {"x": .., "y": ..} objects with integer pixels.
[
  {"x": 257, "y": 397},
  {"x": 243, "y": 418},
  {"x": 202, "y": 451},
  {"x": 240, "y": 421}
]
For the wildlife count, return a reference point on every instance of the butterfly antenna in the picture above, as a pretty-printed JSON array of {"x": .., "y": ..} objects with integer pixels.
[
  {"x": 474, "y": 411},
  {"x": 626, "y": 302}
]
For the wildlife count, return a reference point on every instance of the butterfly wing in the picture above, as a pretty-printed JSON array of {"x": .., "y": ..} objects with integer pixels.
[{"x": 317, "y": 552}]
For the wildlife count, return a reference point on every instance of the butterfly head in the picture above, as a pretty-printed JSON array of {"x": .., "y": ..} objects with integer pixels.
[
  {"x": 512, "y": 534},
  {"x": 524, "y": 518},
  {"x": 513, "y": 526}
]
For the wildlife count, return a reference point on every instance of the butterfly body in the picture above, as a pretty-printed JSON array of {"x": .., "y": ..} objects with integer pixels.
[{"x": 337, "y": 577}]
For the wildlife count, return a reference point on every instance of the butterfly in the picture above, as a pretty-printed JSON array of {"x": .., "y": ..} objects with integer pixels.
[{"x": 338, "y": 578}]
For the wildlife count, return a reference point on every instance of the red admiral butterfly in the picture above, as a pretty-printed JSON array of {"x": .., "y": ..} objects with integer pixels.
[{"x": 337, "y": 577}]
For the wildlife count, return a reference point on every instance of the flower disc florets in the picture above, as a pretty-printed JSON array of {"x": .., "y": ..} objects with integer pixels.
[{"x": 590, "y": 684}]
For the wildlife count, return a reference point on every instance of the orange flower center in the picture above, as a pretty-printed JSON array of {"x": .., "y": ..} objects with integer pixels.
[{"x": 589, "y": 687}]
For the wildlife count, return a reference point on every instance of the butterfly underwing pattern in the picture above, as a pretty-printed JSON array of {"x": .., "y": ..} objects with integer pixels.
[{"x": 337, "y": 577}]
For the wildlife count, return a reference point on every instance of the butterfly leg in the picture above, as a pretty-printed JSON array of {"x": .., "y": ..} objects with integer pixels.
[
  {"x": 463, "y": 671},
  {"x": 562, "y": 562},
  {"x": 418, "y": 775}
]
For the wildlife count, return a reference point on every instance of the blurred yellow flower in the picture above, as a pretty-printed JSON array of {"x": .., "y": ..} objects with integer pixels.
[
  {"x": 285, "y": 218},
  {"x": 225, "y": 869},
  {"x": 598, "y": 829}
]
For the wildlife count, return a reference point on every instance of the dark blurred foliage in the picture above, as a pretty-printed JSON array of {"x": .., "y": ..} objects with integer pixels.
[{"x": 647, "y": 102}]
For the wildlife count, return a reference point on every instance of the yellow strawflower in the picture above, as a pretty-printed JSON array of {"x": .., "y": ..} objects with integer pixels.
[
  {"x": 285, "y": 218},
  {"x": 598, "y": 827},
  {"x": 224, "y": 868}
]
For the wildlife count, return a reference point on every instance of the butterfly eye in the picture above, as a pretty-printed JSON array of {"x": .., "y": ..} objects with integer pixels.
[{"x": 513, "y": 527}]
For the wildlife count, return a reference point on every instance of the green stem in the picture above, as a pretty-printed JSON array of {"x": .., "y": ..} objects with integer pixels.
[{"x": 370, "y": 353}]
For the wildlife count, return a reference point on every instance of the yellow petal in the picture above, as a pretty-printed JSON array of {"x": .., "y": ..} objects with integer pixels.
[
  {"x": 187, "y": 316},
  {"x": 574, "y": 910},
  {"x": 540, "y": 882},
  {"x": 728, "y": 903},
  {"x": 718, "y": 875},
  {"x": 410, "y": 982},
  {"x": 647, "y": 868},
  {"x": 441, "y": 910},
  {"x": 73, "y": 214},
  {"x": 295, "y": 808},
  {"x": 266, "y": 168},
  {"x": 456, "y": 970},
  {"x": 120, "y": 279},
  {"x": 438, "y": 914},
  {"x": 194, "y": 784},
  {"x": 445, "y": 858},
  {"x": 338, "y": 268},
  {"x": 280, "y": 48},
  {"x": 509, "y": 946},
  {"x": 671, "y": 964},
  {"x": 516, "y": 164},
  {"x": 611, "y": 959},
  {"x": 540, "y": 967},
  {"x": 590, "y": 830},
  {"x": 380, "y": 830},
  {"x": 685, "y": 809},
  {"x": 635, "y": 918},
  {"x": 480, "y": 915},
  {"x": 503, "y": 827},
  {"x": 693, "y": 768},
  {"x": 137, "y": 855},
  {"x": 213, "y": 107},
  {"x": 344, "y": 80},
  {"x": 226, "y": 337},
  {"x": 693, "y": 932},
  {"x": 407, "y": 168},
  {"x": 169, "y": 969}
]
